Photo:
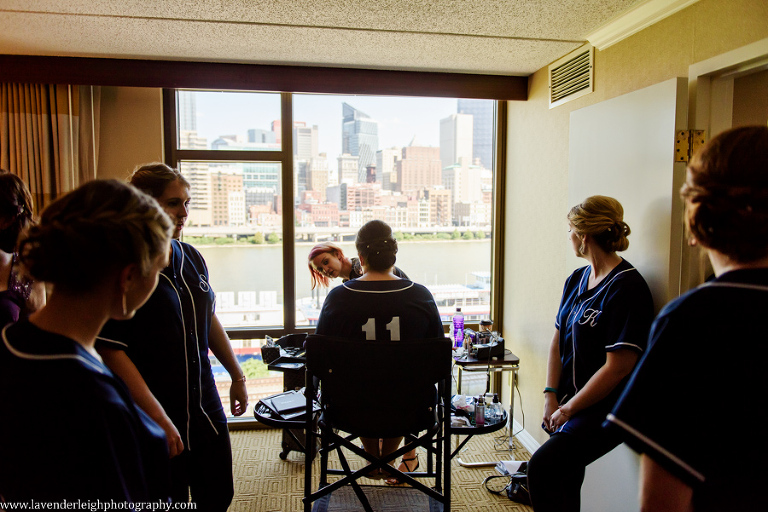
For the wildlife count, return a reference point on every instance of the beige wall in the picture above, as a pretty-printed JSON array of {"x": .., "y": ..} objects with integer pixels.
[
  {"x": 131, "y": 130},
  {"x": 536, "y": 246},
  {"x": 750, "y": 99}
]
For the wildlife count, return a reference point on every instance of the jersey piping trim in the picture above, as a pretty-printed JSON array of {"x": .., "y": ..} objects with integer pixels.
[
  {"x": 49, "y": 357},
  {"x": 184, "y": 330},
  {"x": 377, "y": 291},
  {"x": 736, "y": 285},
  {"x": 621, "y": 343},
  {"x": 108, "y": 340},
  {"x": 197, "y": 346},
  {"x": 656, "y": 446}
]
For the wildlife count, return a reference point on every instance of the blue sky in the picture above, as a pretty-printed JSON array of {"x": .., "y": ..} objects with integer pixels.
[{"x": 400, "y": 118}]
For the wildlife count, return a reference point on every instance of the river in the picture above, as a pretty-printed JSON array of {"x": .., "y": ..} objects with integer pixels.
[{"x": 258, "y": 268}]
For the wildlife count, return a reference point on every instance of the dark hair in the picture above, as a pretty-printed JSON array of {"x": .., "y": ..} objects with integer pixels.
[
  {"x": 602, "y": 218},
  {"x": 153, "y": 178},
  {"x": 16, "y": 203},
  {"x": 726, "y": 194},
  {"x": 98, "y": 227},
  {"x": 376, "y": 245}
]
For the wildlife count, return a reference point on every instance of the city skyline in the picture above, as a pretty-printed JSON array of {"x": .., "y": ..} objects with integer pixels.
[{"x": 400, "y": 119}]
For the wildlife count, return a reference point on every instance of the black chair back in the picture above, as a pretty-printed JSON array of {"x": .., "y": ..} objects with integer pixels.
[{"x": 379, "y": 388}]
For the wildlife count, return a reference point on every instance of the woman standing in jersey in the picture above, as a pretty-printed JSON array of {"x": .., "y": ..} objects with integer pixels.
[
  {"x": 327, "y": 261},
  {"x": 600, "y": 331},
  {"x": 20, "y": 295},
  {"x": 672, "y": 407},
  {"x": 380, "y": 306},
  {"x": 162, "y": 354},
  {"x": 101, "y": 247}
]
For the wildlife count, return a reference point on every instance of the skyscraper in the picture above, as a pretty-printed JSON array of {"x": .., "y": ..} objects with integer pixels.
[
  {"x": 482, "y": 139},
  {"x": 456, "y": 139},
  {"x": 419, "y": 168},
  {"x": 305, "y": 140},
  {"x": 187, "y": 109},
  {"x": 359, "y": 137}
]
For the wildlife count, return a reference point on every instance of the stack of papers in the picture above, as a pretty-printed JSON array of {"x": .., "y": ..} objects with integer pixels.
[{"x": 509, "y": 467}]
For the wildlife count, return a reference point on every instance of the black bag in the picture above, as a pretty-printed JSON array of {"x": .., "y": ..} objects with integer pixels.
[{"x": 516, "y": 487}]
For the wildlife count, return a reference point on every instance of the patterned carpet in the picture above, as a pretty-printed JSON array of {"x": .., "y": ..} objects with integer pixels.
[{"x": 264, "y": 483}]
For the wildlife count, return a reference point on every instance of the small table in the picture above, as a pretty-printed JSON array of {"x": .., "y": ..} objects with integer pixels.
[
  {"x": 293, "y": 379},
  {"x": 488, "y": 428},
  {"x": 496, "y": 365}
]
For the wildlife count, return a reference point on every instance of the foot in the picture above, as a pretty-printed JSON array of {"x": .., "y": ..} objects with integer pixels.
[
  {"x": 376, "y": 474},
  {"x": 406, "y": 466}
]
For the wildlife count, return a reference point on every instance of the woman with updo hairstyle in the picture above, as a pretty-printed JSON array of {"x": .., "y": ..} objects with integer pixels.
[
  {"x": 20, "y": 295},
  {"x": 101, "y": 248},
  {"x": 162, "y": 355},
  {"x": 601, "y": 330},
  {"x": 721, "y": 322},
  {"x": 380, "y": 306}
]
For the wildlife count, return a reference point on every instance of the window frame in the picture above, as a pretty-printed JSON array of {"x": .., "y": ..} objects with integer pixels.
[{"x": 174, "y": 155}]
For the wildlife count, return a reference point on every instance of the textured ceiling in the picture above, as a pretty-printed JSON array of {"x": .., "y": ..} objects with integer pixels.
[{"x": 506, "y": 37}]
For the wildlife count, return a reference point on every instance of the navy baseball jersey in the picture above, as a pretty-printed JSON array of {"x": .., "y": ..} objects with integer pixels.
[
  {"x": 702, "y": 377},
  {"x": 167, "y": 340},
  {"x": 615, "y": 314},
  {"x": 70, "y": 429},
  {"x": 380, "y": 310}
]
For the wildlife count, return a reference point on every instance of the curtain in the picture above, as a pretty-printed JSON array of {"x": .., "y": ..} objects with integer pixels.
[{"x": 49, "y": 136}]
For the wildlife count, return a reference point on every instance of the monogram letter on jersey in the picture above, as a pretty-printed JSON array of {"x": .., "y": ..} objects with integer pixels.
[
  {"x": 590, "y": 316},
  {"x": 369, "y": 328}
]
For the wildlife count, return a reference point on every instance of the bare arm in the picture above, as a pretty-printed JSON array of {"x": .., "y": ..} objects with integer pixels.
[
  {"x": 219, "y": 343},
  {"x": 554, "y": 368},
  {"x": 661, "y": 491},
  {"x": 618, "y": 364},
  {"x": 119, "y": 362}
]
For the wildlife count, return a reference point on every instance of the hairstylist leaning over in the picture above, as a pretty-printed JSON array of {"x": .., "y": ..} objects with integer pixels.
[
  {"x": 162, "y": 354},
  {"x": 327, "y": 261},
  {"x": 69, "y": 428},
  {"x": 672, "y": 407},
  {"x": 600, "y": 331}
]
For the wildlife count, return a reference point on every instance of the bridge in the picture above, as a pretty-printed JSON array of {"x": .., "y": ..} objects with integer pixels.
[{"x": 317, "y": 234}]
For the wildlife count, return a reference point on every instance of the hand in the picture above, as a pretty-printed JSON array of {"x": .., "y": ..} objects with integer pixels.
[
  {"x": 175, "y": 444},
  {"x": 559, "y": 418},
  {"x": 238, "y": 398},
  {"x": 550, "y": 407}
]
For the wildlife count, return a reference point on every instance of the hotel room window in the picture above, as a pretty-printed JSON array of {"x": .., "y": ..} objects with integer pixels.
[{"x": 423, "y": 165}]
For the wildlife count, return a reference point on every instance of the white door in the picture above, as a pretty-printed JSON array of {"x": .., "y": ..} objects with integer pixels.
[{"x": 624, "y": 148}]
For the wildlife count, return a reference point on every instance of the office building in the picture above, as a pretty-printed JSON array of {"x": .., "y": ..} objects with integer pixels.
[
  {"x": 348, "y": 166},
  {"x": 482, "y": 128},
  {"x": 360, "y": 138},
  {"x": 419, "y": 168},
  {"x": 456, "y": 139},
  {"x": 386, "y": 167}
]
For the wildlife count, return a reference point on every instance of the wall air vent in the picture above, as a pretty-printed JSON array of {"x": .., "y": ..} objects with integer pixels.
[{"x": 571, "y": 77}]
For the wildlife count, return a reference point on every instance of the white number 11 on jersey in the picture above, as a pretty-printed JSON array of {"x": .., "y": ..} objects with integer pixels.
[{"x": 393, "y": 327}]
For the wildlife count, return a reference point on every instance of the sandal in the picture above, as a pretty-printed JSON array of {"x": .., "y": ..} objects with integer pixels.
[{"x": 403, "y": 462}]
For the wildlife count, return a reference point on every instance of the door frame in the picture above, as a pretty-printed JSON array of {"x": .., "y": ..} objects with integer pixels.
[{"x": 710, "y": 108}]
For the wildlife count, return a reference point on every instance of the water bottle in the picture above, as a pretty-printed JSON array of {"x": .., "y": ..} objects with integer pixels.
[
  {"x": 489, "y": 408},
  {"x": 498, "y": 409},
  {"x": 458, "y": 328}
]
